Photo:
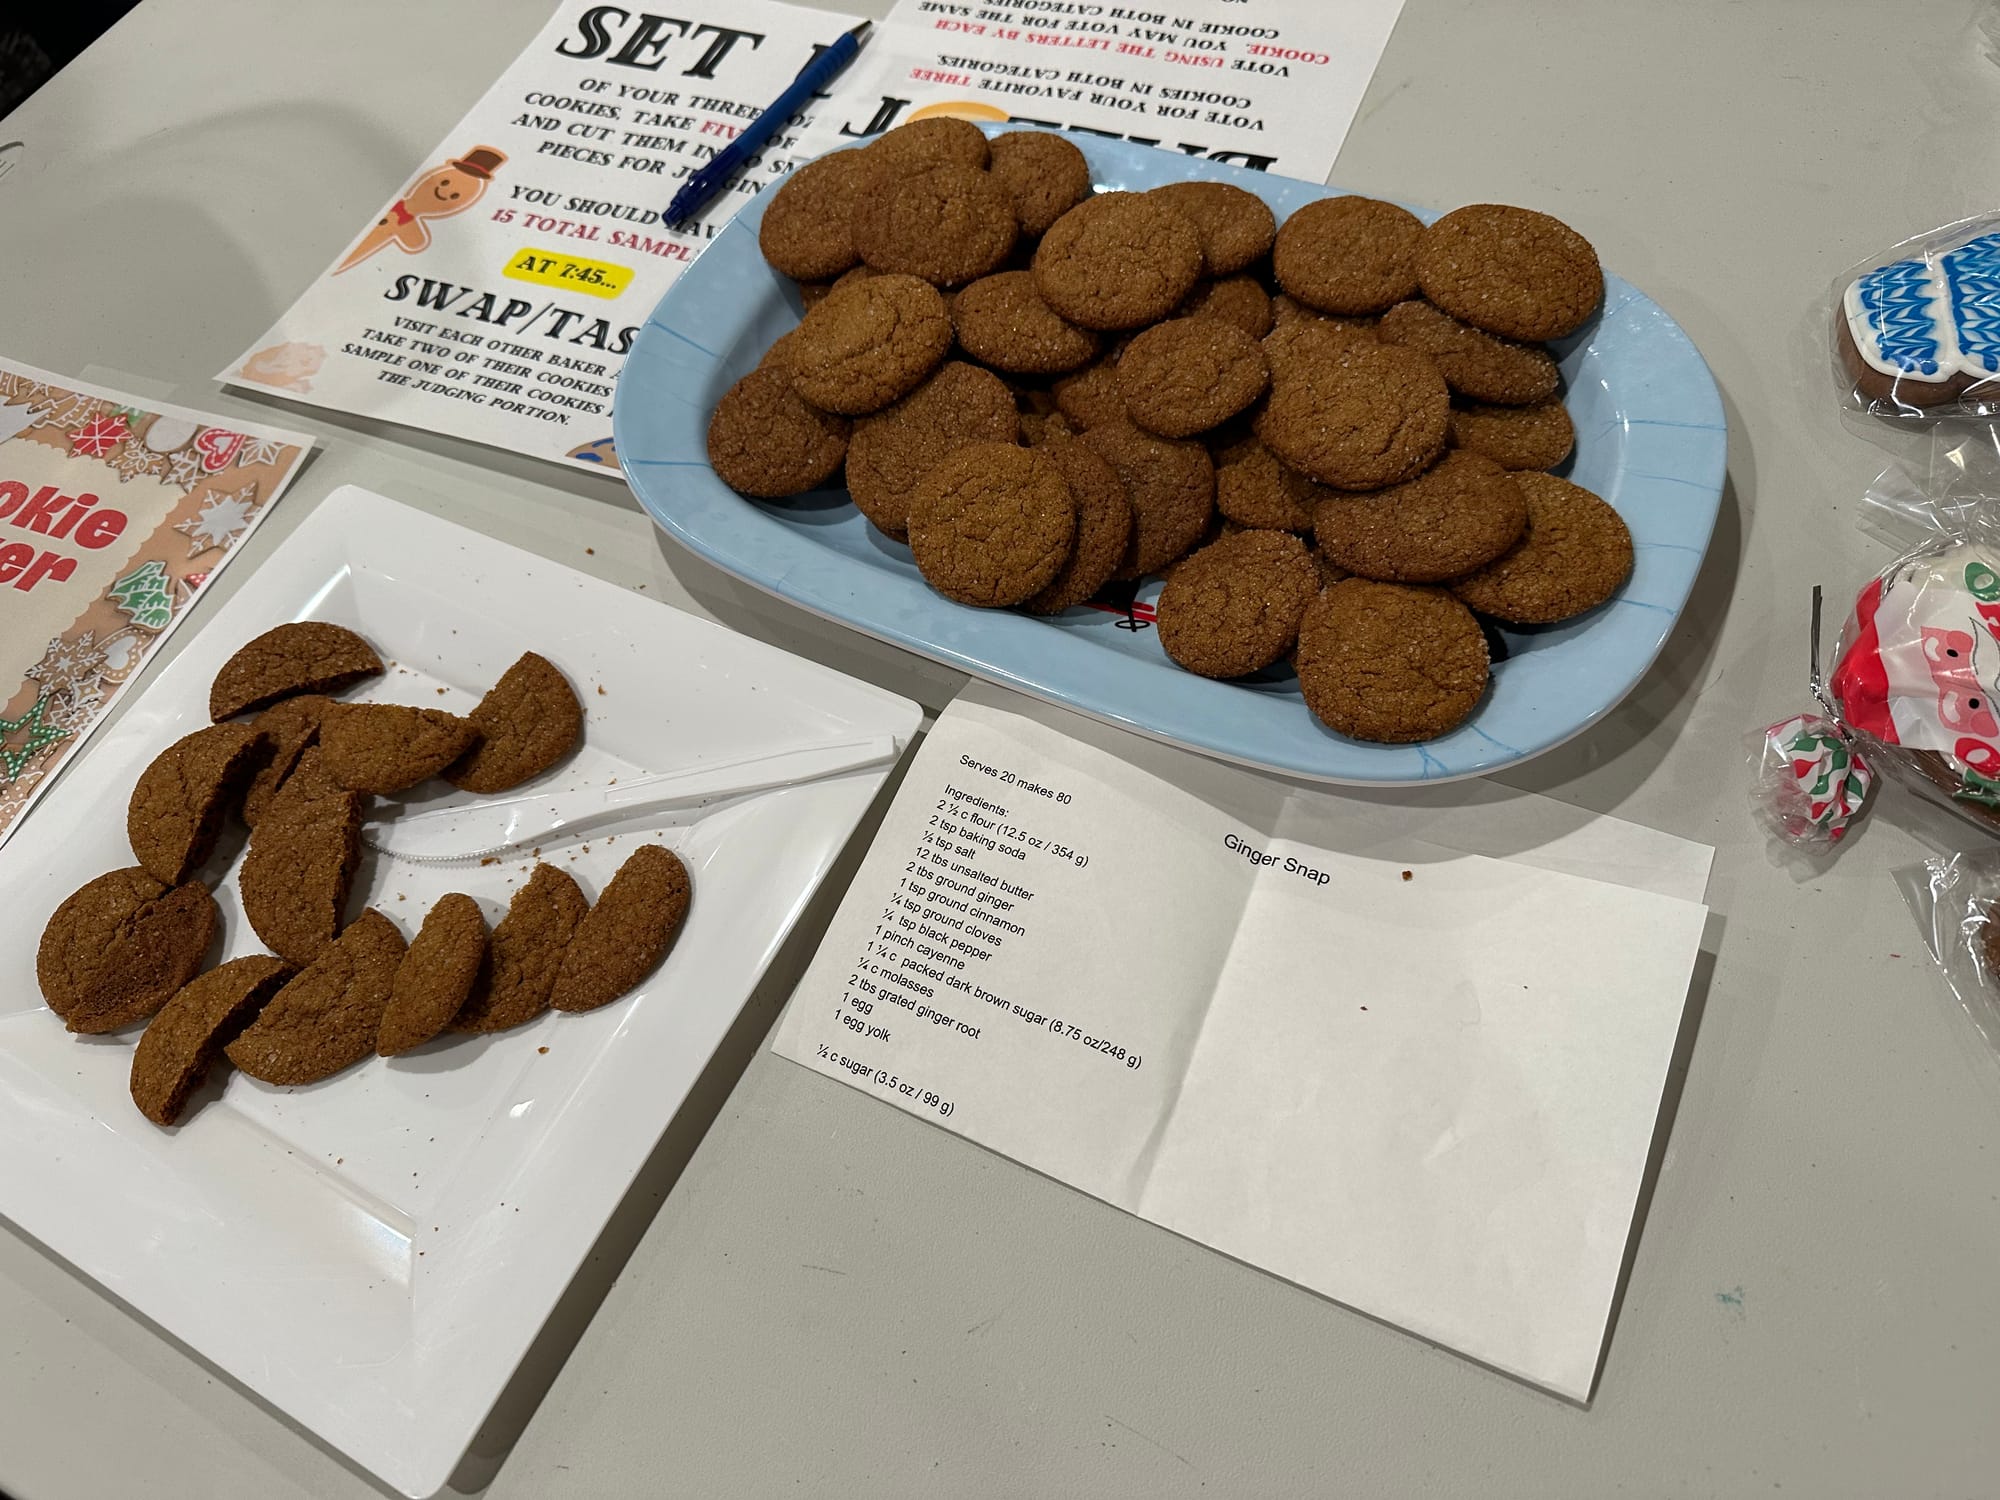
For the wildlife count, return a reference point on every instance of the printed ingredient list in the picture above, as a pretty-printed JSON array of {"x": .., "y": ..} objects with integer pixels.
[{"x": 1296, "y": 1026}]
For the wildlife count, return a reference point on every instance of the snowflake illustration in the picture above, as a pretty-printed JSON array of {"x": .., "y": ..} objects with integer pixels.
[
  {"x": 98, "y": 436},
  {"x": 258, "y": 450},
  {"x": 220, "y": 521},
  {"x": 184, "y": 469},
  {"x": 72, "y": 712},
  {"x": 135, "y": 460},
  {"x": 70, "y": 667}
]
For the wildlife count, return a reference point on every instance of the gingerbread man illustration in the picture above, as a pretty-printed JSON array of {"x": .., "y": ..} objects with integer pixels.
[{"x": 438, "y": 194}]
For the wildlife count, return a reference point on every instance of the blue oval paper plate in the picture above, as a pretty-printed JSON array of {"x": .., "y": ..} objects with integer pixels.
[{"x": 1650, "y": 439}]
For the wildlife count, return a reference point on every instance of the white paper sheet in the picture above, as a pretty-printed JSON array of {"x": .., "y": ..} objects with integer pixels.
[
  {"x": 1329, "y": 1035},
  {"x": 1270, "y": 84}
]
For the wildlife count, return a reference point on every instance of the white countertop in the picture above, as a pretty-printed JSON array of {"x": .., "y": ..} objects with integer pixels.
[{"x": 810, "y": 1293}]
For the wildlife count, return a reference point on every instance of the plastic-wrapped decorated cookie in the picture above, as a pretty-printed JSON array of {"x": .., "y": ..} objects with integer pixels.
[
  {"x": 1917, "y": 669},
  {"x": 1924, "y": 331}
]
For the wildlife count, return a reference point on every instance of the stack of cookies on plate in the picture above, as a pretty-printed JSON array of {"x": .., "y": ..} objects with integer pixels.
[
  {"x": 1326, "y": 434},
  {"x": 298, "y": 766}
]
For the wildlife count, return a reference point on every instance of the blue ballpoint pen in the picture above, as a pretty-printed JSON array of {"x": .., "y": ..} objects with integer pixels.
[{"x": 711, "y": 179}]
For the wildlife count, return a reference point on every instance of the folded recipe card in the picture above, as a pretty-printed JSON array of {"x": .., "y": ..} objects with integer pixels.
[{"x": 1329, "y": 1034}]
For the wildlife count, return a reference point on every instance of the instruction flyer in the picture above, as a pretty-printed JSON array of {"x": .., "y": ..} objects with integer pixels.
[
  {"x": 115, "y": 513},
  {"x": 1267, "y": 84},
  {"x": 495, "y": 297}
]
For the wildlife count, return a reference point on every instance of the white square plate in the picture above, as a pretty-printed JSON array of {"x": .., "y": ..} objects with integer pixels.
[{"x": 372, "y": 1254}]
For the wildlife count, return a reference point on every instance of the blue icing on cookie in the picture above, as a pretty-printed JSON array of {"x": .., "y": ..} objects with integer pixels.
[
  {"x": 1972, "y": 280},
  {"x": 1896, "y": 299}
]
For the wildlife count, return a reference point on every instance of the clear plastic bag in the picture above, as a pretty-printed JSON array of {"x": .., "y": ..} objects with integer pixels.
[
  {"x": 1915, "y": 331},
  {"x": 1916, "y": 672},
  {"x": 1808, "y": 781},
  {"x": 1956, "y": 899}
]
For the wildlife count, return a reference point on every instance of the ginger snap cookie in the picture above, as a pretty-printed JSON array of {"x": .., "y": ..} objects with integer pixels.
[
  {"x": 1236, "y": 227},
  {"x": 1286, "y": 310},
  {"x": 627, "y": 932},
  {"x": 1515, "y": 437},
  {"x": 1354, "y": 414},
  {"x": 1575, "y": 553},
  {"x": 1190, "y": 374},
  {"x": 326, "y": 1017},
  {"x": 1313, "y": 334},
  {"x": 1041, "y": 428},
  {"x": 768, "y": 441},
  {"x": 1170, "y": 483},
  {"x": 805, "y": 231},
  {"x": 1002, "y": 321},
  {"x": 288, "y": 727},
  {"x": 992, "y": 525},
  {"x": 435, "y": 976},
  {"x": 178, "y": 1047},
  {"x": 1329, "y": 570},
  {"x": 1118, "y": 260},
  {"x": 1043, "y": 174},
  {"x": 308, "y": 656},
  {"x": 301, "y": 858},
  {"x": 1389, "y": 662},
  {"x": 528, "y": 720},
  {"x": 1348, "y": 255},
  {"x": 1090, "y": 397},
  {"x": 385, "y": 748},
  {"x": 868, "y": 343},
  {"x": 1234, "y": 299},
  {"x": 1235, "y": 606},
  {"x": 892, "y": 450},
  {"x": 177, "y": 805},
  {"x": 524, "y": 953},
  {"x": 1254, "y": 489},
  {"x": 118, "y": 948},
  {"x": 1510, "y": 271},
  {"x": 1480, "y": 366},
  {"x": 1456, "y": 516},
  {"x": 936, "y": 142},
  {"x": 948, "y": 225},
  {"x": 1103, "y": 526}
]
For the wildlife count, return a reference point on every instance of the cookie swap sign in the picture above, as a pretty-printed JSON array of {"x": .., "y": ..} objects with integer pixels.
[
  {"x": 1267, "y": 84},
  {"x": 495, "y": 298},
  {"x": 114, "y": 514}
]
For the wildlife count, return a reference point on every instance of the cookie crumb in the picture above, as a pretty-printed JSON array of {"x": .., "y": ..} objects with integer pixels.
[
  {"x": 600, "y": 690},
  {"x": 489, "y": 860},
  {"x": 541, "y": 1049},
  {"x": 1407, "y": 875},
  {"x": 590, "y": 552}
]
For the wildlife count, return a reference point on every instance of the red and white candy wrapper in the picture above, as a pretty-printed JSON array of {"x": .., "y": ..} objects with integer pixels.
[
  {"x": 1917, "y": 673},
  {"x": 1811, "y": 782}
]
